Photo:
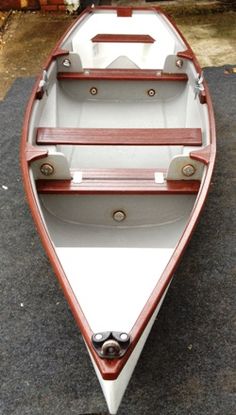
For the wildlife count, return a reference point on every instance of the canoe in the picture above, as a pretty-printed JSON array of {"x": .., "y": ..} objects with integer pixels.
[{"x": 117, "y": 153}]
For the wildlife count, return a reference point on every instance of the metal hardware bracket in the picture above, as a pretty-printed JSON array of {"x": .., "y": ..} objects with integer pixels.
[
  {"x": 198, "y": 88},
  {"x": 111, "y": 345}
]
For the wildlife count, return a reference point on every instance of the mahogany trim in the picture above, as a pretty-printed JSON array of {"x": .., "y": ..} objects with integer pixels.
[
  {"x": 110, "y": 369},
  {"x": 57, "y": 53},
  {"x": 122, "y": 74},
  {"x": 35, "y": 153},
  {"x": 132, "y": 8},
  {"x": 122, "y": 38},
  {"x": 121, "y": 136},
  {"x": 203, "y": 155},
  {"x": 124, "y": 11},
  {"x": 95, "y": 183},
  {"x": 186, "y": 54}
]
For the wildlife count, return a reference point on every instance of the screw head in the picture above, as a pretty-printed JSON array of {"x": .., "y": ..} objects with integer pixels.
[
  {"x": 124, "y": 336},
  {"x": 93, "y": 91},
  {"x": 151, "y": 92},
  {"x": 98, "y": 336},
  {"x": 66, "y": 63},
  {"x": 188, "y": 170},
  {"x": 47, "y": 169},
  {"x": 179, "y": 63},
  {"x": 119, "y": 216}
]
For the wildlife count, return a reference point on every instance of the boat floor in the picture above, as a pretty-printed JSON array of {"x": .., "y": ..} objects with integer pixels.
[{"x": 126, "y": 259}]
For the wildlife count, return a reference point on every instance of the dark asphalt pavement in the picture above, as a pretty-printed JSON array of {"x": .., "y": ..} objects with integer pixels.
[{"x": 187, "y": 367}]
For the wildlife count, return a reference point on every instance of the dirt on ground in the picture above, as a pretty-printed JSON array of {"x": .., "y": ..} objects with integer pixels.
[
  {"x": 28, "y": 38},
  {"x": 26, "y": 42}
]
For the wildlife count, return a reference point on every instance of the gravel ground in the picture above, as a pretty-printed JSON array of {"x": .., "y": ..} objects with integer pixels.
[{"x": 29, "y": 37}]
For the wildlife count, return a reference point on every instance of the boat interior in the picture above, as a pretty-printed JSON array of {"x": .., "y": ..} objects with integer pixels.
[{"x": 117, "y": 171}]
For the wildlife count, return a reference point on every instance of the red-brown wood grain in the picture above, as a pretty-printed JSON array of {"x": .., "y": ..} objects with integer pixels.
[
  {"x": 203, "y": 155},
  {"x": 100, "y": 183},
  {"x": 120, "y": 136},
  {"x": 121, "y": 38},
  {"x": 122, "y": 75},
  {"x": 57, "y": 53},
  {"x": 124, "y": 11},
  {"x": 35, "y": 153}
]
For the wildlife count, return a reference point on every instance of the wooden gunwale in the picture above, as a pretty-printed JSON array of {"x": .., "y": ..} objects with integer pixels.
[
  {"x": 110, "y": 369},
  {"x": 34, "y": 153},
  {"x": 203, "y": 155}
]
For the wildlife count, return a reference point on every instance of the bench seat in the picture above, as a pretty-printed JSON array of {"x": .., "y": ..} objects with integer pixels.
[
  {"x": 117, "y": 181},
  {"x": 122, "y": 74},
  {"x": 121, "y": 136}
]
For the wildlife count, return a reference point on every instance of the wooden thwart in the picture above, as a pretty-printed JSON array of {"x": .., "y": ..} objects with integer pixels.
[
  {"x": 122, "y": 38},
  {"x": 121, "y": 136},
  {"x": 118, "y": 181},
  {"x": 122, "y": 74}
]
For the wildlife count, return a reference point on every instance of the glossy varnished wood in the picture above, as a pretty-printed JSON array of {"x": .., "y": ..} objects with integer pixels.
[
  {"x": 203, "y": 155},
  {"x": 35, "y": 153},
  {"x": 124, "y": 11},
  {"x": 118, "y": 181},
  {"x": 120, "y": 136},
  {"x": 122, "y": 38},
  {"x": 122, "y": 74}
]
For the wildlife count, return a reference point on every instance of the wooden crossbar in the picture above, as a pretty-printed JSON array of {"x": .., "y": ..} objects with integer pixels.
[
  {"x": 122, "y": 38},
  {"x": 122, "y": 75},
  {"x": 118, "y": 181},
  {"x": 121, "y": 136}
]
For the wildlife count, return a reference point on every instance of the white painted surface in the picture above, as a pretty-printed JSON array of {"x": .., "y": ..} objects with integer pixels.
[
  {"x": 114, "y": 267},
  {"x": 101, "y": 157},
  {"x": 114, "y": 390},
  {"x": 175, "y": 170},
  {"x": 59, "y": 163},
  {"x": 101, "y": 55},
  {"x": 87, "y": 220},
  {"x": 113, "y": 284}
]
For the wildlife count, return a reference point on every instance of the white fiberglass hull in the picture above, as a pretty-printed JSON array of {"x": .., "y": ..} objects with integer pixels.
[
  {"x": 114, "y": 390},
  {"x": 117, "y": 154}
]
